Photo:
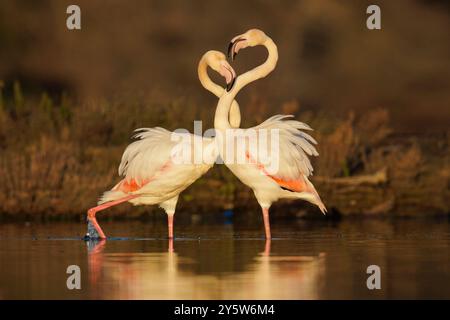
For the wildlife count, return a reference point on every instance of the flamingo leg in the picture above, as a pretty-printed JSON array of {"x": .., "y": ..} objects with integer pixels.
[
  {"x": 265, "y": 212},
  {"x": 266, "y": 252},
  {"x": 94, "y": 210},
  {"x": 170, "y": 225}
]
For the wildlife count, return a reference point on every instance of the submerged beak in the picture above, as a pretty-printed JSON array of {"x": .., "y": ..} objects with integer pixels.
[{"x": 234, "y": 47}]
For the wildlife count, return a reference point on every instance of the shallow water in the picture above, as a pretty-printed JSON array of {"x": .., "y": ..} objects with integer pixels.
[{"x": 305, "y": 260}]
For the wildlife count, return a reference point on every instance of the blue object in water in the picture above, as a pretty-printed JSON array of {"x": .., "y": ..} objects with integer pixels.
[{"x": 228, "y": 214}]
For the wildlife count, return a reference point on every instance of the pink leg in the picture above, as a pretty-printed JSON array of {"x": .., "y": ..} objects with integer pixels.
[
  {"x": 94, "y": 210},
  {"x": 170, "y": 225},
  {"x": 267, "y": 248},
  {"x": 170, "y": 246},
  {"x": 265, "y": 212}
]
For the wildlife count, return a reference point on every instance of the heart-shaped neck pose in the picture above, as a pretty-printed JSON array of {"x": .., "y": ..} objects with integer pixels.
[{"x": 284, "y": 172}]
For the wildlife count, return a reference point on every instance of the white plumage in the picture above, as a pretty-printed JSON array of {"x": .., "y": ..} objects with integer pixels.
[
  {"x": 289, "y": 164},
  {"x": 161, "y": 164},
  {"x": 152, "y": 170},
  {"x": 294, "y": 146}
]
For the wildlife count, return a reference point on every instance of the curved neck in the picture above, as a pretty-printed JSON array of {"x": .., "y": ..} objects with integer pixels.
[
  {"x": 206, "y": 81},
  {"x": 225, "y": 101},
  {"x": 215, "y": 89}
]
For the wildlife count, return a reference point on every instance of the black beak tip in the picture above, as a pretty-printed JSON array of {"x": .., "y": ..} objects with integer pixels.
[
  {"x": 231, "y": 53},
  {"x": 230, "y": 85},
  {"x": 230, "y": 49}
]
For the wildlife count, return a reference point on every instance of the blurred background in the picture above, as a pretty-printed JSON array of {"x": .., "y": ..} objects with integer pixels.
[{"x": 377, "y": 99}]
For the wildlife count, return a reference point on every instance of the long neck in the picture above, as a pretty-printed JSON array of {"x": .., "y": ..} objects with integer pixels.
[
  {"x": 208, "y": 84},
  {"x": 225, "y": 101},
  {"x": 206, "y": 81}
]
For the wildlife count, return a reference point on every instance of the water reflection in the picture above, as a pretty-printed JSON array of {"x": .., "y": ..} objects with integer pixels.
[
  {"x": 95, "y": 260},
  {"x": 172, "y": 275},
  {"x": 307, "y": 260}
]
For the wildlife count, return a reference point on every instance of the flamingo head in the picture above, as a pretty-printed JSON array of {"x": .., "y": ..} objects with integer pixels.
[
  {"x": 251, "y": 38},
  {"x": 217, "y": 61}
]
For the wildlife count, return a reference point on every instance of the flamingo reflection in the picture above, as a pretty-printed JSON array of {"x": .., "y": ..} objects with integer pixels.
[{"x": 176, "y": 275}]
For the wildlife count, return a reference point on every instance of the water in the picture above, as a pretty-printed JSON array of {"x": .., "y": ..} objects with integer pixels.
[{"x": 305, "y": 260}]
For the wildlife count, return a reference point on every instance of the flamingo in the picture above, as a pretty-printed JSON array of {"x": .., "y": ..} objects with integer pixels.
[
  {"x": 149, "y": 173},
  {"x": 290, "y": 181},
  {"x": 208, "y": 84}
]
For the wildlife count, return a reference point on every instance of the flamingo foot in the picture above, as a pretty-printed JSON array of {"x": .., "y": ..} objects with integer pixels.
[
  {"x": 91, "y": 233},
  {"x": 266, "y": 252},
  {"x": 93, "y": 229}
]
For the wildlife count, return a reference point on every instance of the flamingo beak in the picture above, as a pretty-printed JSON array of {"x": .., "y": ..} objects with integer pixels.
[
  {"x": 231, "y": 84},
  {"x": 235, "y": 45},
  {"x": 228, "y": 73}
]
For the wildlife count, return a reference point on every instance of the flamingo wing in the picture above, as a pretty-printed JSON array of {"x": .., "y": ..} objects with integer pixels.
[
  {"x": 145, "y": 157},
  {"x": 156, "y": 151},
  {"x": 153, "y": 164},
  {"x": 291, "y": 156}
]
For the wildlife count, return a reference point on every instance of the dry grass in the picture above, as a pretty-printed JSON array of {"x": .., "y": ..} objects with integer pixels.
[
  {"x": 345, "y": 150},
  {"x": 57, "y": 156}
]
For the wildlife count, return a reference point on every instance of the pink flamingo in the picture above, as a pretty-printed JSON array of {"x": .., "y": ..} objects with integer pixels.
[
  {"x": 291, "y": 179},
  {"x": 150, "y": 174}
]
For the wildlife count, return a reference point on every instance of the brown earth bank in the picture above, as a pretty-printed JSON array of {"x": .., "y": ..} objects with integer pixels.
[{"x": 58, "y": 155}]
